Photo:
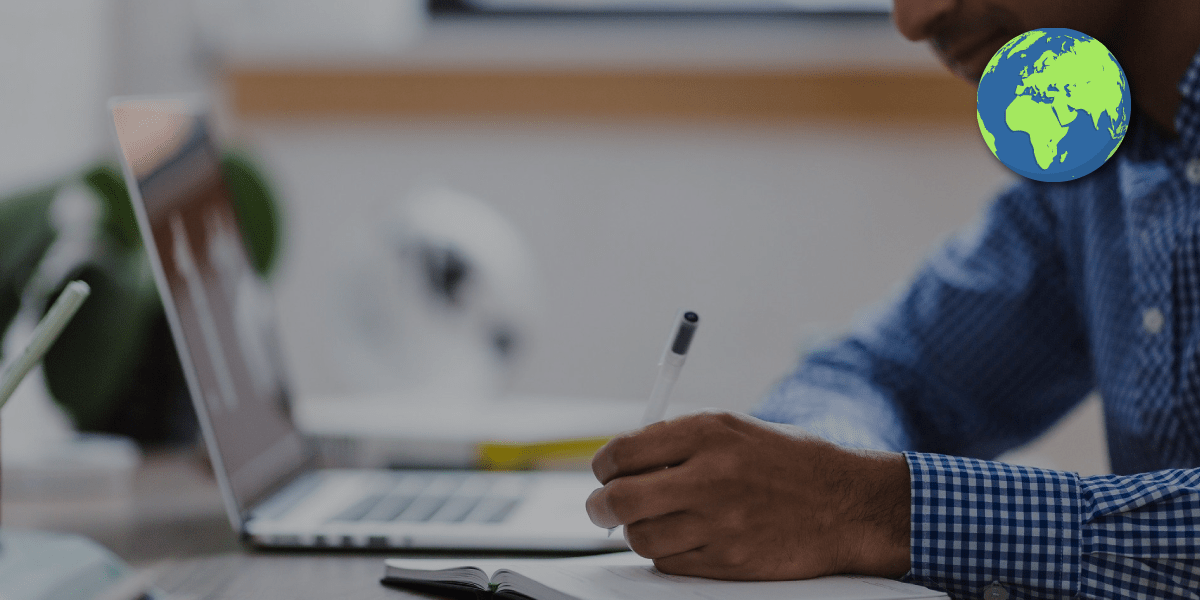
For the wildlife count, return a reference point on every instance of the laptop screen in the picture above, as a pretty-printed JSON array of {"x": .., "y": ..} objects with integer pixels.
[{"x": 218, "y": 308}]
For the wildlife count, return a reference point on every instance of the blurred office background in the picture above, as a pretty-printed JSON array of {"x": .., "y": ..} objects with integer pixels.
[{"x": 779, "y": 173}]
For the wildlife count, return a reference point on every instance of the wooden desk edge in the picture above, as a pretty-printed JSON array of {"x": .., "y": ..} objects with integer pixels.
[{"x": 860, "y": 97}]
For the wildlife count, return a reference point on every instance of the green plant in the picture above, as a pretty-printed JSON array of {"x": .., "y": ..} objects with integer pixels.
[{"x": 114, "y": 368}]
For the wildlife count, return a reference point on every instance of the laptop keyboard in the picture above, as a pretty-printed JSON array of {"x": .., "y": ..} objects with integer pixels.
[{"x": 441, "y": 498}]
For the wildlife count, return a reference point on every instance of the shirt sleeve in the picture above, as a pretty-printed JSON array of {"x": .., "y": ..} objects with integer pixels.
[
  {"x": 991, "y": 530},
  {"x": 983, "y": 351}
]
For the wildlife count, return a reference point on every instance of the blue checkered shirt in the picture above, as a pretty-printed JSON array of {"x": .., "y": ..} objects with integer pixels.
[{"x": 1059, "y": 290}]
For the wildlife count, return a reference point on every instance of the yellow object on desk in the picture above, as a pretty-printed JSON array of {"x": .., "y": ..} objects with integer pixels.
[{"x": 550, "y": 454}]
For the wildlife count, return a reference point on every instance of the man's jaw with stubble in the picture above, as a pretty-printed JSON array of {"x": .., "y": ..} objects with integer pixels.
[{"x": 966, "y": 42}]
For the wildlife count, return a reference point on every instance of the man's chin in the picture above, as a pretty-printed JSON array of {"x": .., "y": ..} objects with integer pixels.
[
  {"x": 968, "y": 74},
  {"x": 965, "y": 71}
]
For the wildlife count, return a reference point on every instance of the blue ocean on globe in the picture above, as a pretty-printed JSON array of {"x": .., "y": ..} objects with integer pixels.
[{"x": 1053, "y": 104}]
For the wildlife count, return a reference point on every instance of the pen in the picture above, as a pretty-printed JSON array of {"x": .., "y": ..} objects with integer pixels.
[
  {"x": 47, "y": 330},
  {"x": 669, "y": 366}
]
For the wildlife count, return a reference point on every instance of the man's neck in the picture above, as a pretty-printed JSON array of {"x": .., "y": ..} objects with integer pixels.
[{"x": 1155, "y": 46}]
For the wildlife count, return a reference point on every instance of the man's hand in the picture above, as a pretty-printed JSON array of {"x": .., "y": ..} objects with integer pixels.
[{"x": 727, "y": 496}]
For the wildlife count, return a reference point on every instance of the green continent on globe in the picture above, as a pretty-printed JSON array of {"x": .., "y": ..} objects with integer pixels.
[
  {"x": 1038, "y": 120},
  {"x": 1014, "y": 46},
  {"x": 1082, "y": 78},
  {"x": 987, "y": 135}
]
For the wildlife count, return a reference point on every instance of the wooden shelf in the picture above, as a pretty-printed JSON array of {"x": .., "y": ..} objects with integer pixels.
[{"x": 851, "y": 97}]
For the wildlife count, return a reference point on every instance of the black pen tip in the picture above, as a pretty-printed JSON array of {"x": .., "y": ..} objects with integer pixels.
[{"x": 683, "y": 337}]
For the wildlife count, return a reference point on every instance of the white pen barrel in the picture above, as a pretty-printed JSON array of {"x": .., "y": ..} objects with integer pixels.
[{"x": 668, "y": 374}]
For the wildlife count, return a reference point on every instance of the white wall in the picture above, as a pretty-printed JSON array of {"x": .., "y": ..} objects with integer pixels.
[{"x": 55, "y": 75}]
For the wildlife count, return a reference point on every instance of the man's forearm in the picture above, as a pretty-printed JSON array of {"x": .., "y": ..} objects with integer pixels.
[{"x": 882, "y": 510}]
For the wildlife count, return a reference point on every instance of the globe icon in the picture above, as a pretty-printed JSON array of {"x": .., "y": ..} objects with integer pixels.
[{"x": 1053, "y": 104}]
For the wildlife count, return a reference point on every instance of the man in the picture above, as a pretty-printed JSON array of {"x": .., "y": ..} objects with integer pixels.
[{"x": 1059, "y": 290}]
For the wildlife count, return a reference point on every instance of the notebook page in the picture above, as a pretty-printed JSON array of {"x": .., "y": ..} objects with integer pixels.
[{"x": 627, "y": 576}]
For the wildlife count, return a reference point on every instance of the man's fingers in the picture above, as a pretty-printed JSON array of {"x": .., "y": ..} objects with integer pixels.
[
  {"x": 630, "y": 499},
  {"x": 598, "y": 511},
  {"x": 731, "y": 560},
  {"x": 658, "y": 445},
  {"x": 718, "y": 560},
  {"x": 662, "y": 444},
  {"x": 693, "y": 563},
  {"x": 667, "y": 535}
]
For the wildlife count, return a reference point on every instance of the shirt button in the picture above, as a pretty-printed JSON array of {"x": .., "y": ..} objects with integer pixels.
[
  {"x": 1152, "y": 321},
  {"x": 995, "y": 591},
  {"x": 1192, "y": 171}
]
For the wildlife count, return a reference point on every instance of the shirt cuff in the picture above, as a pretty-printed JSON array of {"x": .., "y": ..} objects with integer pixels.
[{"x": 979, "y": 527}]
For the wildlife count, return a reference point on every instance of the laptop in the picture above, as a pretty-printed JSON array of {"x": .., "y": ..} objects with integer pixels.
[{"x": 220, "y": 317}]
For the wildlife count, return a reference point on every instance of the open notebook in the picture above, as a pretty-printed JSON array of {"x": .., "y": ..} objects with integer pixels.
[{"x": 624, "y": 576}]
